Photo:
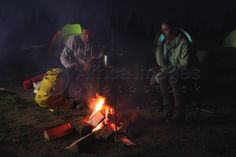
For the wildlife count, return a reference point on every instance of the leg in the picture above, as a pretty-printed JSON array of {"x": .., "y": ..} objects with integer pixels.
[
  {"x": 163, "y": 81},
  {"x": 164, "y": 88},
  {"x": 179, "y": 113}
]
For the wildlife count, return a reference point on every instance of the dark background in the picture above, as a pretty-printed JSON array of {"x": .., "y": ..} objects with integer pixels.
[{"x": 126, "y": 27}]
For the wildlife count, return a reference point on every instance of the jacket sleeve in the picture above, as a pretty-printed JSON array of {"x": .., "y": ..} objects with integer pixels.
[
  {"x": 159, "y": 55},
  {"x": 67, "y": 52},
  {"x": 184, "y": 55}
]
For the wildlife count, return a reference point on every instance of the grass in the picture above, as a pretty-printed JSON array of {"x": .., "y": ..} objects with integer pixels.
[
  {"x": 208, "y": 139},
  {"x": 9, "y": 102}
]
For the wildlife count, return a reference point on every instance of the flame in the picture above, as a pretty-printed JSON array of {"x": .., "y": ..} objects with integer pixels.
[
  {"x": 101, "y": 125},
  {"x": 98, "y": 104},
  {"x": 101, "y": 101},
  {"x": 116, "y": 128}
]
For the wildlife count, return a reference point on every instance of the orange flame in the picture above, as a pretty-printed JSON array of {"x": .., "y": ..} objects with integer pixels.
[
  {"x": 99, "y": 104},
  {"x": 96, "y": 104}
]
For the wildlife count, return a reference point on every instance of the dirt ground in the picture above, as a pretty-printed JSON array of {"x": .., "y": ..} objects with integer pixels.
[{"x": 22, "y": 124}]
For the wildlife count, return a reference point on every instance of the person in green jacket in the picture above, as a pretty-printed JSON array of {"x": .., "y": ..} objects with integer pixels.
[{"x": 174, "y": 56}]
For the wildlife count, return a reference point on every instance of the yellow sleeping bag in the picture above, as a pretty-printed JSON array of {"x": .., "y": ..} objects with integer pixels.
[{"x": 44, "y": 96}]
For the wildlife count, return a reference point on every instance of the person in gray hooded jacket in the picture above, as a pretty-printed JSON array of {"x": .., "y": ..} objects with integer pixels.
[
  {"x": 174, "y": 56},
  {"x": 78, "y": 52},
  {"x": 79, "y": 60}
]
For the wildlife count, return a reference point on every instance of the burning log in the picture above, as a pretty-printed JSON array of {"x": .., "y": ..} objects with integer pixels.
[
  {"x": 126, "y": 141},
  {"x": 104, "y": 133},
  {"x": 57, "y": 131},
  {"x": 96, "y": 119},
  {"x": 84, "y": 142},
  {"x": 98, "y": 126},
  {"x": 80, "y": 143},
  {"x": 82, "y": 127}
]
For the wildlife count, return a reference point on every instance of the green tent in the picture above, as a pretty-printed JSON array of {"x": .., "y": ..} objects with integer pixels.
[
  {"x": 68, "y": 30},
  {"x": 63, "y": 33},
  {"x": 230, "y": 40}
]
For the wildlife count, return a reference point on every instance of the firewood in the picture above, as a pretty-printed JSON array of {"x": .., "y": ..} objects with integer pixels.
[
  {"x": 104, "y": 133},
  {"x": 80, "y": 143},
  {"x": 81, "y": 127},
  {"x": 96, "y": 119},
  {"x": 126, "y": 141},
  {"x": 57, "y": 131}
]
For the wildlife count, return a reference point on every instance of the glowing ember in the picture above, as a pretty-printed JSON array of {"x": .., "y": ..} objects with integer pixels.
[{"x": 114, "y": 128}]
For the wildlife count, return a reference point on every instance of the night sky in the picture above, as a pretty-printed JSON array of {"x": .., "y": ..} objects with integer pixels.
[{"x": 118, "y": 24}]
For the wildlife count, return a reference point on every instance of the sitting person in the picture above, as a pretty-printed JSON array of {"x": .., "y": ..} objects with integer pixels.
[
  {"x": 78, "y": 52},
  {"x": 79, "y": 59},
  {"x": 174, "y": 56}
]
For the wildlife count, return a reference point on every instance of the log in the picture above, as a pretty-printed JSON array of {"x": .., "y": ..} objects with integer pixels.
[
  {"x": 126, "y": 141},
  {"x": 82, "y": 127},
  {"x": 104, "y": 133},
  {"x": 81, "y": 143},
  {"x": 96, "y": 119},
  {"x": 57, "y": 131}
]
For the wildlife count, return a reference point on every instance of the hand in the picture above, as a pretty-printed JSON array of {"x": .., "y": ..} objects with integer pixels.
[
  {"x": 90, "y": 62},
  {"x": 72, "y": 66}
]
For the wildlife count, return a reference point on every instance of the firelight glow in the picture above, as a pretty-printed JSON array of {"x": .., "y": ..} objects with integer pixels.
[
  {"x": 101, "y": 101},
  {"x": 97, "y": 104},
  {"x": 101, "y": 125}
]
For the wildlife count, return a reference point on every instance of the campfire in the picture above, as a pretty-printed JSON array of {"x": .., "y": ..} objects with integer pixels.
[
  {"x": 101, "y": 123},
  {"x": 100, "y": 113}
]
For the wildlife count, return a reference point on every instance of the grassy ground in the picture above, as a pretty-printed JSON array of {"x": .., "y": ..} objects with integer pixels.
[{"x": 22, "y": 124}]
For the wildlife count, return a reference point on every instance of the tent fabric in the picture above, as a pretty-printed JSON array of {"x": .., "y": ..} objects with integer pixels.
[
  {"x": 68, "y": 30},
  {"x": 63, "y": 33},
  {"x": 230, "y": 40}
]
